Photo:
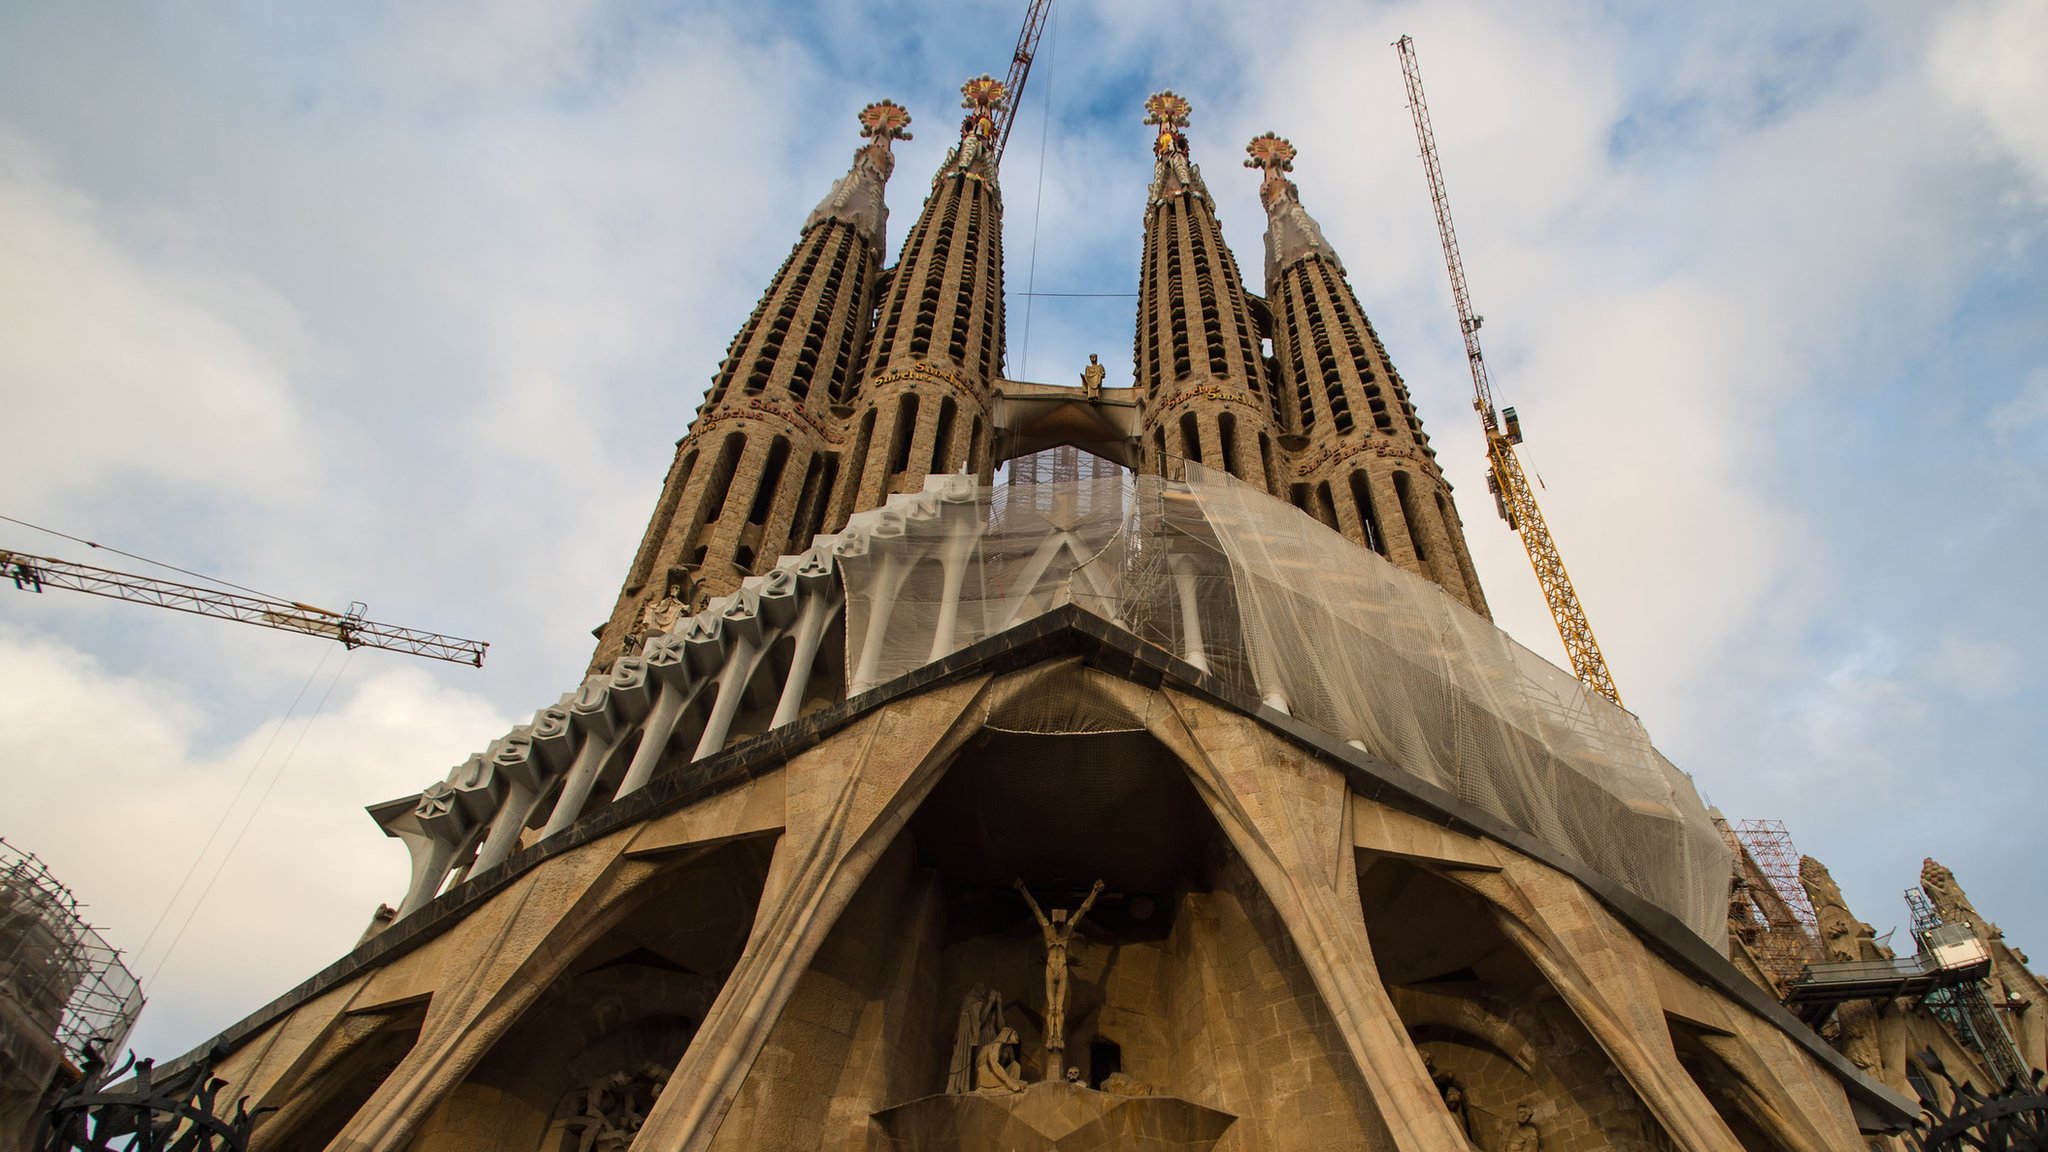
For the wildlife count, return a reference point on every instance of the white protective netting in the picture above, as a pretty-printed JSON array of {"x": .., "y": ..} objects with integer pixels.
[{"x": 1265, "y": 597}]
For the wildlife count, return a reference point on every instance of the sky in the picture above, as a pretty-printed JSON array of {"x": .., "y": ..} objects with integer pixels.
[{"x": 408, "y": 303}]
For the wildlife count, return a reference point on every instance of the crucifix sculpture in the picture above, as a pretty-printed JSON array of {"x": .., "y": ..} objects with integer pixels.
[{"x": 1059, "y": 935}]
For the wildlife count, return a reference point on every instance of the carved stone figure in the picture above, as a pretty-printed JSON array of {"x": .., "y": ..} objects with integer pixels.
[
  {"x": 996, "y": 1068},
  {"x": 1522, "y": 1135},
  {"x": 658, "y": 616},
  {"x": 1841, "y": 933},
  {"x": 981, "y": 1020},
  {"x": 614, "y": 1107},
  {"x": 1091, "y": 377},
  {"x": 1454, "y": 1099},
  {"x": 1124, "y": 1084},
  {"x": 1073, "y": 1075},
  {"x": 1059, "y": 936}
]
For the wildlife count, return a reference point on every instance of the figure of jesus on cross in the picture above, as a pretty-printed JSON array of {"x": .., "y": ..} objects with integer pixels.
[{"x": 1059, "y": 934}]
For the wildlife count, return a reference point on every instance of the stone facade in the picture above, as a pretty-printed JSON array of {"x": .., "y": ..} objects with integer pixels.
[
  {"x": 776, "y": 957},
  {"x": 740, "y": 889}
]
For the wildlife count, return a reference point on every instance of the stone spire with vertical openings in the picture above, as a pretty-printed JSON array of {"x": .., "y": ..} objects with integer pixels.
[
  {"x": 1360, "y": 463},
  {"x": 1200, "y": 374},
  {"x": 938, "y": 341},
  {"x": 754, "y": 477}
]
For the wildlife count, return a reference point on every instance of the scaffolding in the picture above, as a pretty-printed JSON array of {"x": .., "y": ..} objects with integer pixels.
[
  {"x": 1064, "y": 464},
  {"x": 1965, "y": 1007},
  {"x": 1768, "y": 906},
  {"x": 61, "y": 983}
]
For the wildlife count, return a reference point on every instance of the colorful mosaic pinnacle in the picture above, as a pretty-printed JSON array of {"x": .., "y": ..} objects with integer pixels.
[
  {"x": 884, "y": 120},
  {"x": 984, "y": 94},
  {"x": 1270, "y": 152},
  {"x": 1169, "y": 110}
]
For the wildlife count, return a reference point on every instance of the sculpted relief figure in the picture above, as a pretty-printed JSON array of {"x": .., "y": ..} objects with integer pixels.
[
  {"x": 981, "y": 1021},
  {"x": 1522, "y": 1135},
  {"x": 996, "y": 1068},
  {"x": 658, "y": 616},
  {"x": 1058, "y": 930}
]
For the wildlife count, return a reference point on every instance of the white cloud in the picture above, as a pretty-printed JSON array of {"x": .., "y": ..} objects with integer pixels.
[
  {"x": 117, "y": 363},
  {"x": 110, "y": 783},
  {"x": 1987, "y": 57}
]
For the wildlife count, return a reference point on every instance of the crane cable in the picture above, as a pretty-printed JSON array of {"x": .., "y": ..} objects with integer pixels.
[
  {"x": 233, "y": 802},
  {"x": 248, "y": 822},
  {"x": 1052, "y": 43}
]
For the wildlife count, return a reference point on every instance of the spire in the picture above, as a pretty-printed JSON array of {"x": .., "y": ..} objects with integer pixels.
[
  {"x": 1173, "y": 174},
  {"x": 937, "y": 350},
  {"x": 1199, "y": 369},
  {"x": 755, "y": 475},
  {"x": 1359, "y": 460},
  {"x": 1291, "y": 233},
  {"x": 856, "y": 197},
  {"x": 975, "y": 155}
]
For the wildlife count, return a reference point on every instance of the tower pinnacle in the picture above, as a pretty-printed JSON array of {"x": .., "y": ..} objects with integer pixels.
[
  {"x": 1291, "y": 233},
  {"x": 857, "y": 197},
  {"x": 1172, "y": 173},
  {"x": 1361, "y": 463},
  {"x": 975, "y": 155}
]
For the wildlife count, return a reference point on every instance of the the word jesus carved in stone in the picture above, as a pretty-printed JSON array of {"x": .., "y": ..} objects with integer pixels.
[{"x": 1059, "y": 935}]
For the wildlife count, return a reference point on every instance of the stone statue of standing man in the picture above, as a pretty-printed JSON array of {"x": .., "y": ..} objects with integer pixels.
[
  {"x": 1059, "y": 935},
  {"x": 1091, "y": 377}
]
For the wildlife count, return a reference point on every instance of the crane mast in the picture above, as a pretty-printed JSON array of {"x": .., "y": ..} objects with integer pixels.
[
  {"x": 1020, "y": 70},
  {"x": 1513, "y": 497},
  {"x": 35, "y": 573}
]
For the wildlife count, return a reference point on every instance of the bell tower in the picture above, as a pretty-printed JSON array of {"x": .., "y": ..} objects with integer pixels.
[
  {"x": 1363, "y": 466},
  {"x": 923, "y": 402},
  {"x": 756, "y": 473},
  {"x": 1200, "y": 374}
]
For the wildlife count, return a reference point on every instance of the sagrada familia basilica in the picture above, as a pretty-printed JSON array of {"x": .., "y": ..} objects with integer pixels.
[{"x": 1188, "y": 800}]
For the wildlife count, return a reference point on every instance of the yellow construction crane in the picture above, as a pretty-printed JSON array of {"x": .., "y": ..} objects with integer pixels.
[
  {"x": 1512, "y": 497},
  {"x": 35, "y": 573}
]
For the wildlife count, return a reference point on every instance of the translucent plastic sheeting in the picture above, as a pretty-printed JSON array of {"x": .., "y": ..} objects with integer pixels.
[
  {"x": 1255, "y": 592},
  {"x": 1367, "y": 651}
]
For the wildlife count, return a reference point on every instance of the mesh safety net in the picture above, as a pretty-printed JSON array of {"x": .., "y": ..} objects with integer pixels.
[{"x": 1252, "y": 590}]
